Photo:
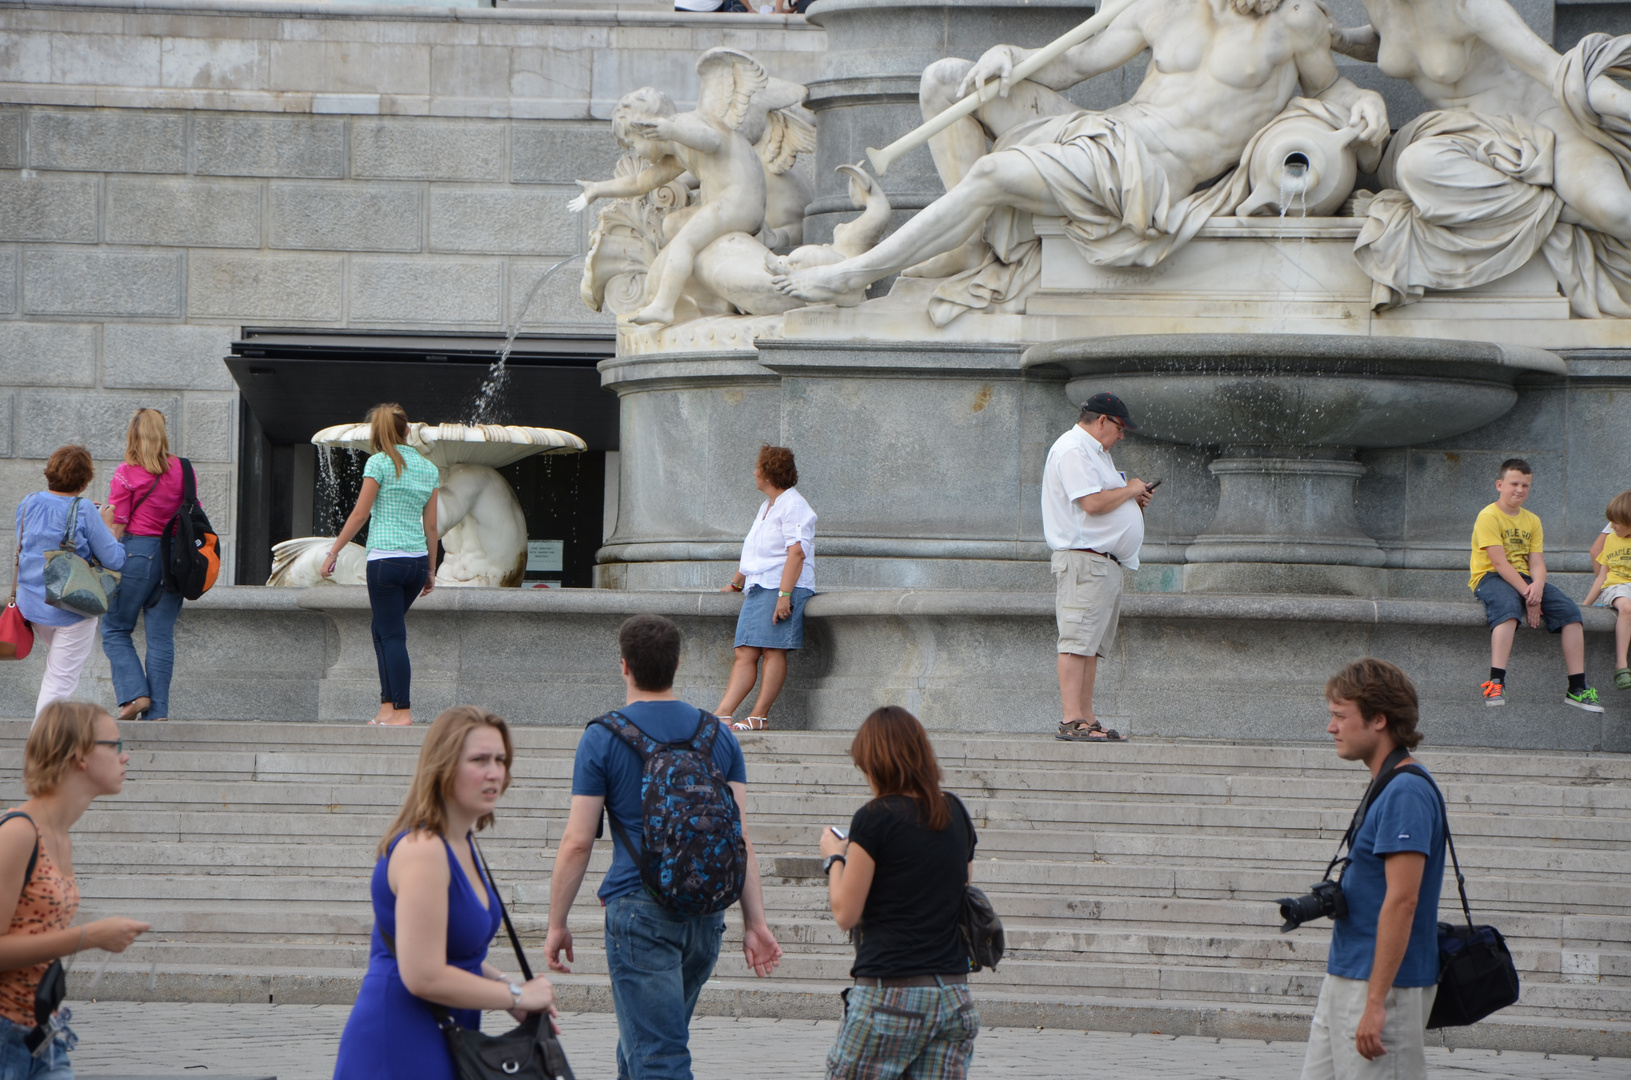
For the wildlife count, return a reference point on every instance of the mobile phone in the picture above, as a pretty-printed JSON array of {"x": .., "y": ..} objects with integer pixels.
[
  {"x": 842, "y": 834},
  {"x": 1152, "y": 485}
]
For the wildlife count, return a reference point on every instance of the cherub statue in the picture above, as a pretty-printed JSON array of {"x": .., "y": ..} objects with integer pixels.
[{"x": 706, "y": 143}]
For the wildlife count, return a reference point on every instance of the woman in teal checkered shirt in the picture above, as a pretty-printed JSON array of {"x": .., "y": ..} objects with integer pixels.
[{"x": 398, "y": 502}]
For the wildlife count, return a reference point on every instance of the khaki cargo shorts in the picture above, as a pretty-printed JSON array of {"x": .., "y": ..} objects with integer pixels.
[{"x": 1086, "y": 601}]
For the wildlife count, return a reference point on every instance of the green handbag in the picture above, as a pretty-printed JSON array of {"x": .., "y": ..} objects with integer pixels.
[{"x": 74, "y": 584}]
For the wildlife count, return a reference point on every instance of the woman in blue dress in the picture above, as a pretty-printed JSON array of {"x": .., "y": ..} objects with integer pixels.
[{"x": 432, "y": 902}]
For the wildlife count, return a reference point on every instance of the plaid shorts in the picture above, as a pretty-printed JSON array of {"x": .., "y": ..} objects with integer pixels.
[{"x": 917, "y": 1032}]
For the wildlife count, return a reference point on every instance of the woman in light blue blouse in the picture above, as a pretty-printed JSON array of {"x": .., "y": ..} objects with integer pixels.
[
  {"x": 398, "y": 503},
  {"x": 42, "y": 522}
]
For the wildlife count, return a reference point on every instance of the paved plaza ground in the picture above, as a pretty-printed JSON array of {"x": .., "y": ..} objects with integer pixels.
[{"x": 297, "y": 1042}]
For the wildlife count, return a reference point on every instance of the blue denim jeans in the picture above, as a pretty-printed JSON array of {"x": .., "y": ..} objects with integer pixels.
[
  {"x": 16, "y": 1063},
  {"x": 393, "y": 586},
  {"x": 658, "y": 962},
  {"x": 141, "y": 596}
]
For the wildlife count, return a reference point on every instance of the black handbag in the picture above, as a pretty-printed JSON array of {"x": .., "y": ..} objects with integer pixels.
[
  {"x": 982, "y": 931},
  {"x": 528, "y": 1052},
  {"x": 1476, "y": 975}
]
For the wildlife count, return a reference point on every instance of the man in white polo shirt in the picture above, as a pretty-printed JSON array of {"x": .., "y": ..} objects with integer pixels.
[{"x": 1093, "y": 519}]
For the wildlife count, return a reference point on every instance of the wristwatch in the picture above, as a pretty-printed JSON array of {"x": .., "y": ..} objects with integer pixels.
[
  {"x": 515, "y": 995},
  {"x": 826, "y": 865}
]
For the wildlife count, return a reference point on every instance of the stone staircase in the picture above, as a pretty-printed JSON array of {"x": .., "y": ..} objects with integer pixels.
[{"x": 1135, "y": 881}]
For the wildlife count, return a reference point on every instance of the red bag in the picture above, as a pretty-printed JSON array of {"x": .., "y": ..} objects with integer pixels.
[{"x": 16, "y": 635}]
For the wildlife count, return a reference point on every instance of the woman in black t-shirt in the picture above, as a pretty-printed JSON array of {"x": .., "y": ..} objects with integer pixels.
[{"x": 898, "y": 881}]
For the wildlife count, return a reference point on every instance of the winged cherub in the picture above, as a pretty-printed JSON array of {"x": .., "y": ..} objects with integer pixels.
[{"x": 705, "y": 143}]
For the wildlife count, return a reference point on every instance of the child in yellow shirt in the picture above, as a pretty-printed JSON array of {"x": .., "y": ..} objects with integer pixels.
[
  {"x": 1612, "y": 589},
  {"x": 1509, "y": 576}
]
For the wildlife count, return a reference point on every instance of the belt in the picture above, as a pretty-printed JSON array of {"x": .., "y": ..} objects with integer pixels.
[
  {"x": 910, "y": 980},
  {"x": 1106, "y": 554}
]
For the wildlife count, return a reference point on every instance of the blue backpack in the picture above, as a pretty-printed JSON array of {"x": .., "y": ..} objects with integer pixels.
[{"x": 692, "y": 858}]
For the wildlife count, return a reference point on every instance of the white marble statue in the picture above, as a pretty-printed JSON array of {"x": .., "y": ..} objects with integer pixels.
[
  {"x": 483, "y": 528},
  {"x": 1525, "y": 151},
  {"x": 1124, "y": 179},
  {"x": 738, "y": 145}
]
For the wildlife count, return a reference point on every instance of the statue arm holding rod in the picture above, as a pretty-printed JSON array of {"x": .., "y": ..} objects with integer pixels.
[
  {"x": 1118, "y": 43},
  {"x": 1032, "y": 63}
]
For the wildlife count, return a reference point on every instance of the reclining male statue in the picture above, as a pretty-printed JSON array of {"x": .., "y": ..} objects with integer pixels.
[{"x": 1124, "y": 179}]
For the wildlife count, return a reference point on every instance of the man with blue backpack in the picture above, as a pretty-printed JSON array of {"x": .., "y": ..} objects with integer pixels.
[{"x": 672, "y": 783}]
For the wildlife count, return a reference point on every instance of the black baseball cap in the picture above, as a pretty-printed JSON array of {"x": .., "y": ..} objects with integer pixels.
[{"x": 1110, "y": 405}]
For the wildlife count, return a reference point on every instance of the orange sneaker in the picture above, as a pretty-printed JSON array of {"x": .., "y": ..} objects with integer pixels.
[{"x": 1494, "y": 693}]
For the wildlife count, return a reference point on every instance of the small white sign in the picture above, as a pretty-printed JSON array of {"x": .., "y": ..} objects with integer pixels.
[{"x": 546, "y": 555}]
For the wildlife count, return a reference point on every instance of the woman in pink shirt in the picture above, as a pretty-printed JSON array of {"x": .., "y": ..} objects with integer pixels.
[{"x": 143, "y": 497}]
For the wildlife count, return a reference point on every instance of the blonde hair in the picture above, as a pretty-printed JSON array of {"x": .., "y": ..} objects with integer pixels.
[
  {"x": 388, "y": 427},
  {"x": 425, "y": 808},
  {"x": 147, "y": 442},
  {"x": 1619, "y": 509},
  {"x": 63, "y": 731}
]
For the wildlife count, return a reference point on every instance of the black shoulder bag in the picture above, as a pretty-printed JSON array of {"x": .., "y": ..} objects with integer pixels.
[
  {"x": 982, "y": 931},
  {"x": 528, "y": 1052},
  {"x": 53, "y": 984},
  {"x": 1476, "y": 975}
]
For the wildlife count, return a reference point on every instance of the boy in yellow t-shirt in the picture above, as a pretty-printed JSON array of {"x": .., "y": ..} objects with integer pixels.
[
  {"x": 1612, "y": 589},
  {"x": 1509, "y": 576}
]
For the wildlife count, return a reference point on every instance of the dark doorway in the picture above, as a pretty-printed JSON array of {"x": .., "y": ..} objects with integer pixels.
[{"x": 295, "y": 382}]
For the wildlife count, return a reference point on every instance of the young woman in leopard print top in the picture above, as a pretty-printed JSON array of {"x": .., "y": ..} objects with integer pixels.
[{"x": 74, "y": 754}]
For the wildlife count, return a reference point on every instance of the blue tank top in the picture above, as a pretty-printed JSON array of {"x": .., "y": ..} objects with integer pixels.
[{"x": 391, "y": 1034}]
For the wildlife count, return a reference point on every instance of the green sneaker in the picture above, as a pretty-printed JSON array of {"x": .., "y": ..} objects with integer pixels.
[
  {"x": 1622, "y": 679},
  {"x": 1585, "y": 699}
]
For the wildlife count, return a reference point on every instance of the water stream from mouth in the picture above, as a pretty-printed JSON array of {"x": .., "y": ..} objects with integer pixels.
[{"x": 498, "y": 375}]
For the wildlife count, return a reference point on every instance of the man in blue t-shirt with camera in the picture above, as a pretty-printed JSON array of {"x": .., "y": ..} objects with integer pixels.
[{"x": 1382, "y": 973}]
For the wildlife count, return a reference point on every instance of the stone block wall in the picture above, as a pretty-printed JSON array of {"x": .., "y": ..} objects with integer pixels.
[{"x": 170, "y": 174}]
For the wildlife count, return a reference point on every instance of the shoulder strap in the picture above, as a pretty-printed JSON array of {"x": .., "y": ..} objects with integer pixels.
[
  {"x": 68, "y": 527},
  {"x": 1383, "y": 777},
  {"x": 1449, "y": 841},
  {"x": 189, "y": 489},
  {"x": 34, "y": 857},
  {"x": 154, "y": 486},
  {"x": 630, "y": 735},
  {"x": 443, "y": 1017}
]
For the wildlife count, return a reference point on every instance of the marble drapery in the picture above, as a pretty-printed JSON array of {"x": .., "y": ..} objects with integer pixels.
[
  {"x": 1468, "y": 200},
  {"x": 1119, "y": 206}
]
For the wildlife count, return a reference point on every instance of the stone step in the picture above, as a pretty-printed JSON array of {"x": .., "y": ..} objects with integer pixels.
[
  {"x": 305, "y": 817},
  {"x": 533, "y": 852},
  {"x": 376, "y": 778},
  {"x": 1144, "y": 872},
  {"x": 1264, "y": 951},
  {"x": 953, "y": 750}
]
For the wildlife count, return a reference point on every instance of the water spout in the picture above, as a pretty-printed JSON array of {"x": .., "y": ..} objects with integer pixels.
[{"x": 498, "y": 374}]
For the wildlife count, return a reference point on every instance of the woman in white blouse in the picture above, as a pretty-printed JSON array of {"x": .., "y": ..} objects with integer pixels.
[{"x": 777, "y": 575}]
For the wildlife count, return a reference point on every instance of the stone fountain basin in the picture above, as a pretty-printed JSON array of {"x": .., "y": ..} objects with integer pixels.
[
  {"x": 446, "y": 445},
  {"x": 1298, "y": 390}
]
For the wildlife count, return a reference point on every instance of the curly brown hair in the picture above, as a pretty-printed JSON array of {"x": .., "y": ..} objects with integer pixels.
[
  {"x": 776, "y": 462},
  {"x": 1380, "y": 689},
  {"x": 70, "y": 469}
]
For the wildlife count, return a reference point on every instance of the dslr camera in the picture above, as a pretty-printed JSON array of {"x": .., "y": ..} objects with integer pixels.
[{"x": 1324, "y": 901}]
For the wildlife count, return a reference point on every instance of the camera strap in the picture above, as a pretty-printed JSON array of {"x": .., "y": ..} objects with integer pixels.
[{"x": 1380, "y": 781}]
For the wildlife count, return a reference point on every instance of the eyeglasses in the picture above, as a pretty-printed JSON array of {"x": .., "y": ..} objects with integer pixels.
[
  {"x": 117, "y": 744},
  {"x": 1119, "y": 425}
]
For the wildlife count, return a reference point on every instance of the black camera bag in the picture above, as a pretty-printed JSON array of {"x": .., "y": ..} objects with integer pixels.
[{"x": 1476, "y": 975}]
